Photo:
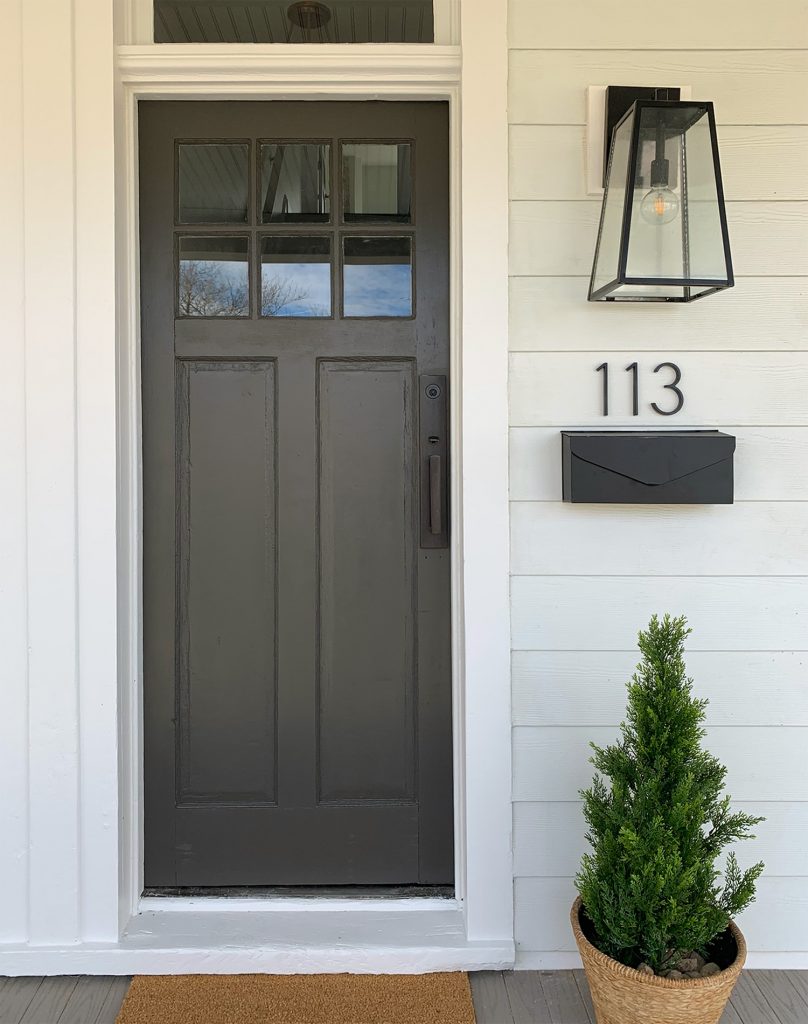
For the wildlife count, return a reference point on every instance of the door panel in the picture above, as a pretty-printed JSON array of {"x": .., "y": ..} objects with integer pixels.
[
  {"x": 226, "y": 581},
  {"x": 297, "y": 661},
  {"x": 367, "y": 581}
]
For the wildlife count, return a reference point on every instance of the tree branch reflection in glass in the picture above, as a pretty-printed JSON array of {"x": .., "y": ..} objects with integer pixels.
[
  {"x": 296, "y": 276},
  {"x": 213, "y": 277}
]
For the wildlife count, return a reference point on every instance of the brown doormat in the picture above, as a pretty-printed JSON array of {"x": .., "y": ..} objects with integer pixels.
[{"x": 299, "y": 999}]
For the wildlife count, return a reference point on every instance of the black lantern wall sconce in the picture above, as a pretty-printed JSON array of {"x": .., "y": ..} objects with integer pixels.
[{"x": 663, "y": 226}]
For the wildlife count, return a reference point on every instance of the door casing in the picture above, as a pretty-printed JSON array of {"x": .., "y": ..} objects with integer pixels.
[{"x": 482, "y": 800}]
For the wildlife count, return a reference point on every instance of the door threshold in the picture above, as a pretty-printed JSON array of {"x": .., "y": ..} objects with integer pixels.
[
  {"x": 398, "y": 940},
  {"x": 212, "y": 936},
  {"x": 352, "y": 892}
]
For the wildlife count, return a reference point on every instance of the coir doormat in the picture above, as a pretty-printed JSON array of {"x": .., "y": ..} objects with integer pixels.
[{"x": 299, "y": 999}]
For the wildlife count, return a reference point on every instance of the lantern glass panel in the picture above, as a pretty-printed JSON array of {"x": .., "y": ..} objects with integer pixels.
[
  {"x": 681, "y": 187},
  {"x": 607, "y": 256},
  {"x": 707, "y": 258}
]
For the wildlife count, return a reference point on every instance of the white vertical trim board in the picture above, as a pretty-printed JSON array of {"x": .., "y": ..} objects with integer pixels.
[
  {"x": 13, "y": 529},
  {"x": 59, "y": 859},
  {"x": 96, "y": 469},
  {"x": 486, "y": 624},
  {"x": 50, "y": 341}
]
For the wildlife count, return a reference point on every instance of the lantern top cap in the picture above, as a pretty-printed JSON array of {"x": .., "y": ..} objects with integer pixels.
[{"x": 679, "y": 115}]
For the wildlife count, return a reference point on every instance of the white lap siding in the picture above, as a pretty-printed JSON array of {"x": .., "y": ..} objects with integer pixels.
[{"x": 586, "y": 578}]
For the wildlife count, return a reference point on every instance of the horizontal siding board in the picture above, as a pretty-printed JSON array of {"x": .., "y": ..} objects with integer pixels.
[
  {"x": 550, "y": 238},
  {"x": 747, "y": 86},
  {"x": 765, "y": 162},
  {"x": 754, "y": 388},
  {"x": 542, "y": 914},
  {"x": 762, "y": 763},
  {"x": 748, "y": 539},
  {"x": 604, "y": 613},
  {"x": 769, "y": 463},
  {"x": 548, "y": 313},
  {"x": 774, "y": 923},
  {"x": 588, "y": 688},
  {"x": 549, "y": 838},
  {"x": 716, "y": 25}
]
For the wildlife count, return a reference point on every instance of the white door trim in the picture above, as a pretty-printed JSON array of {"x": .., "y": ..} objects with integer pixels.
[{"x": 478, "y": 251}]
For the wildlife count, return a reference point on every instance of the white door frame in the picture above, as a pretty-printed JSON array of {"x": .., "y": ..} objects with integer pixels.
[{"x": 478, "y": 255}]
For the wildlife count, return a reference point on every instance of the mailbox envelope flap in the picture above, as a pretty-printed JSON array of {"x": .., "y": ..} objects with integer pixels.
[{"x": 653, "y": 459}]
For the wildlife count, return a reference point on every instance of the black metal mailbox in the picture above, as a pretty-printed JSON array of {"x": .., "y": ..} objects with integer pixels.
[{"x": 677, "y": 467}]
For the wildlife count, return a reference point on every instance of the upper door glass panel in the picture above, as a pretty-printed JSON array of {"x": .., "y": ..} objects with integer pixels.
[
  {"x": 295, "y": 183},
  {"x": 377, "y": 182},
  {"x": 304, "y": 21},
  {"x": 213, "y": 182}
]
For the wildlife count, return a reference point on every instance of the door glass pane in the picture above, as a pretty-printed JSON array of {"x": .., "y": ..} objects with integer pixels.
[
  {"x": 296, "y": 275},
  {"x": 377, "y": 277},
  {"x": 295, "y": 182},
  {"x": 213, "y": 278},
  {"x": 213, "y": 183},
  {"x": 282, "y": 21},
  {"x": 376, "y": 181}
]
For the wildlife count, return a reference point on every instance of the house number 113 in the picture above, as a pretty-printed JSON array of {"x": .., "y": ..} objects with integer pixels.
[{"x": 633, "y": 369}]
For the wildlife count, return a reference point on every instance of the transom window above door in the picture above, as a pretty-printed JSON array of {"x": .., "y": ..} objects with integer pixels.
[
  {"x": 293, "y": 21},
  {"x": 285, "y": 228}
]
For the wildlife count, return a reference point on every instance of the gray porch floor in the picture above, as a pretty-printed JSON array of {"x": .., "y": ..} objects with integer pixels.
[
  {"x": 522, "y": 997},
  {"x": 562, "y": 997}
]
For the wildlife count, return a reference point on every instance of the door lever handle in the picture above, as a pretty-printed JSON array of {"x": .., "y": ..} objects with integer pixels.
[
  {"x": 432, "y": 462},
  {"x": 435, "y": 495}
]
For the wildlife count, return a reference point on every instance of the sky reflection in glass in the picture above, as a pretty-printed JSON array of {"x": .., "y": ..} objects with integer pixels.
[{"x": 377, "y": 277}]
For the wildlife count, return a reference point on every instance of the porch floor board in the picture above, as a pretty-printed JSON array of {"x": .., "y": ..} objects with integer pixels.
[
  {"x": 562, "y": 997},
  {"x": 500, "y": 997}
]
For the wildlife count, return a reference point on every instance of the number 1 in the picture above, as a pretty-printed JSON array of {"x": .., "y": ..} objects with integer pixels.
[
  {"x": 605, "y": 368},
  {"x": 635, "y": 390}
]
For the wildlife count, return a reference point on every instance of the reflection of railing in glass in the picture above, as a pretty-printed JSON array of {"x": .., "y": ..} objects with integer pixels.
[{"x": 295, "y": 182}]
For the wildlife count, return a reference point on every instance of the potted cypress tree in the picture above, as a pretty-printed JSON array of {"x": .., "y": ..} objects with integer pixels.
[{"x": 653, "y": 921}]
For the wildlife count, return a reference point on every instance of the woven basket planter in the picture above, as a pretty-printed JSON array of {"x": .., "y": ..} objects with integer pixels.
[{"x": 621, "y": 995}]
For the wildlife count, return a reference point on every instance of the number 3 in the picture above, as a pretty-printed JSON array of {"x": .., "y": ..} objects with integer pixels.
[{"x": 670, "y": 387}]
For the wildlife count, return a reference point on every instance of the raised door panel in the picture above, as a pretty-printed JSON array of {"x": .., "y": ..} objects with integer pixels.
[
  {"x": 226, "y": 576},
  {"x": 367, "y": 577}
]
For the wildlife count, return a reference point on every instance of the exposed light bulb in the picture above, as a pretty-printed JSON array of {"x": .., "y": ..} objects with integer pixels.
[{"x": 659, "y": 206}]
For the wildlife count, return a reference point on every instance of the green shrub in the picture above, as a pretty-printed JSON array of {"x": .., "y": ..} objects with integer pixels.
[{"x": 650, "y": 886}]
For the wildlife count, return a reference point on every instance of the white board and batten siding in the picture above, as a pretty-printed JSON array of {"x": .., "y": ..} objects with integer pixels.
[
  {"x": 58, "y": 656},
  {"x": 586, "y": 578}
]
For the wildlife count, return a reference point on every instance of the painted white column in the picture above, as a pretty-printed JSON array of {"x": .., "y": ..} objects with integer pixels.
[
  {"x": 50, "y": 399},
  {"x": 96, "y": 465},
  {"x": 484, "y": 149},
  {"x": 58, "y": 668},
  {"x": 13, "y": 583}
]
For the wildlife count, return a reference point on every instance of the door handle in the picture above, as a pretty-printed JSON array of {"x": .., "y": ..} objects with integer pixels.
[
  {"x": 435, "y": 495},
  {"x": 433, "y": 461}
]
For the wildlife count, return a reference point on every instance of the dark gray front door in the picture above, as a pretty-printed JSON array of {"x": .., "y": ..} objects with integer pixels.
[{"x": 294, "y": 280}]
